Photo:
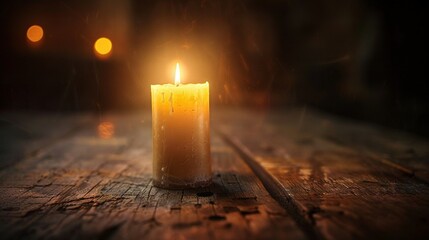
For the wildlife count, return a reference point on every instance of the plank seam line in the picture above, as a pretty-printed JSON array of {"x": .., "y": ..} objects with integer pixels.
[{"x": 274, "y": 187}]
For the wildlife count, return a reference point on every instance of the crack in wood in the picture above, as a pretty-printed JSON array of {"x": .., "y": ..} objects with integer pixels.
[{"x": 275, "y": 188}]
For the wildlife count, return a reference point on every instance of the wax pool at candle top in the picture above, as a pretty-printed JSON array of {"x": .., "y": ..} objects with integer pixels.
[{"x": 181, "y": 134}]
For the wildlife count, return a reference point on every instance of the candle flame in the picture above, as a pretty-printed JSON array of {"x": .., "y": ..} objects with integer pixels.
[{"x": 177, "y": 76}]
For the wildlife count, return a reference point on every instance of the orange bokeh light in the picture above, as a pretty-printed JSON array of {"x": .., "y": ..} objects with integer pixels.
[
  {"x": 35, "y": 33},
  {"x": 106, "y": 130},
  {"x": 103, "y": 47}
]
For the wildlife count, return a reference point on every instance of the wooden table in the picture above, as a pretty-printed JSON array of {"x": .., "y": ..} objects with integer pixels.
[{"x": 291, "y": 174}]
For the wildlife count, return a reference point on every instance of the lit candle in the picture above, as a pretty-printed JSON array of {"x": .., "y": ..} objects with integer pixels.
[{"x": 181, "y": 134}]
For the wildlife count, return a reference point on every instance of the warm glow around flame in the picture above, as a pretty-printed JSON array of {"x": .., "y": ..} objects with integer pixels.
[{"x": 177, "y": 76}]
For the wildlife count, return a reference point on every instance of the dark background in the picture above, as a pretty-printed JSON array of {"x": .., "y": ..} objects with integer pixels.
[{"x": 361, "y": 59}]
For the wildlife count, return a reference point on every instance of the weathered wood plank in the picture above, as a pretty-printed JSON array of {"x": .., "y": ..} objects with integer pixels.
[
  {"x": 337, "y": 186},
  {"x": 90, "y": 185},
  {"x": 23, "y": 134},
  {"x": 405, "y": 152}
]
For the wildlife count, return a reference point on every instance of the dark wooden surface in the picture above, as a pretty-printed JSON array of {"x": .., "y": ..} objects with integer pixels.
[{"x": 294, "y": 174}]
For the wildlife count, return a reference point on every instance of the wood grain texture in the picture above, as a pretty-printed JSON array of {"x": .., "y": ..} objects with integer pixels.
[
  {"x": 23, "y": 134},
  {"x": 83, "y": 185},
  {"x": 346, "y": 179}
]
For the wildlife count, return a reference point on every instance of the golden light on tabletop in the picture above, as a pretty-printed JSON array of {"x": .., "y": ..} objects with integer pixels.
[
  {"x": 35, "y": 33},
  {"x": 106, "y": 130},
  {"x": 103, "y": 47}
]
